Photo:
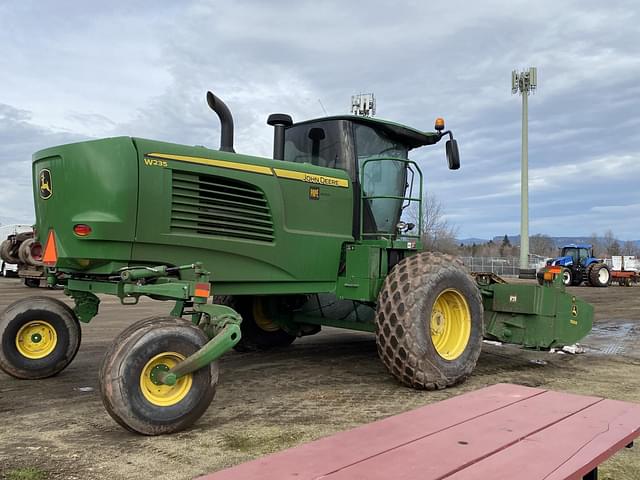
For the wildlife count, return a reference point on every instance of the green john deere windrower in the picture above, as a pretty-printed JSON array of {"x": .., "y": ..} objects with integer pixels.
[{"x": 313, "y": 236}]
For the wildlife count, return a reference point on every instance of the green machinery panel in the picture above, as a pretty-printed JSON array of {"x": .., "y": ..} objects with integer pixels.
[
  {"x": 261, "y": 226},
  {"x": 93, "y": 183},
  {"x": 535, "y": 316}
]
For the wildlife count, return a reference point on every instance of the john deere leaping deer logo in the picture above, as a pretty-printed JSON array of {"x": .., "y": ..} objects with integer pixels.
[{"x": 46, "y": 188}]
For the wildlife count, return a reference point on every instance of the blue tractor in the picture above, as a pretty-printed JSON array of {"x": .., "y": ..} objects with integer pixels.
[{"x": 578, "y": 266}]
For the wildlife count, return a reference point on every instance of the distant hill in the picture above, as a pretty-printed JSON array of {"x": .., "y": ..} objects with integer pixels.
[{"x": 471, "y": 241}]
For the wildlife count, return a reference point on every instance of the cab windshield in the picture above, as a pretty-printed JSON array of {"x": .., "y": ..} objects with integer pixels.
[
  {"x": 326, "y": 144},
  {"x": 381, "y": 176},
  {"x": 575, "y": 253}
]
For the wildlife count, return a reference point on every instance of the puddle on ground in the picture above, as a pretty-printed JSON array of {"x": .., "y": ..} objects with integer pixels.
[{"x": 614, "y": 338}]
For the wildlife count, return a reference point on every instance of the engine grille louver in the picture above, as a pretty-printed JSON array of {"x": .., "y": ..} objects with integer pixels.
[{"x": 220, "y": 207}]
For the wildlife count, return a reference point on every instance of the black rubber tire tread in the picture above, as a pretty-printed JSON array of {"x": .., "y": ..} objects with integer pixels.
[
  {"x": 253, "y": 337},
  {"x": 32, "y": 282},
  {"x": 588, "y": 274},
  {"x": 593, "y": 275},
  {"x": 402, "y": 321},
  {"x": 567, "y": 270},
  {"x": 577, "y": 279},
  {"x": 120, "y": 375},
  {"x": 60, "y": 316},
  {"x": 6, "y": 253},
  {"x": 24, "y": 252}
]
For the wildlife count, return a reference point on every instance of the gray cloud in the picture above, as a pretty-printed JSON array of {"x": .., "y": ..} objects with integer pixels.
[
  {"x": 142, "y": 69},
  {"x": 18, "y": 139}
]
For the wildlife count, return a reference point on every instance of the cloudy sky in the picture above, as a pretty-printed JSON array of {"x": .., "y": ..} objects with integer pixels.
[{"x": 71, "y": 70}]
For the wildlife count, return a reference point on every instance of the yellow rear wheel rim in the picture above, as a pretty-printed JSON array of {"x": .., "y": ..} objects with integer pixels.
[
  {"x": 157, "y": 393},
  {"x": 450, "y": 324},
  {"x": 36, "y": 339},
  {"x": 261, "y": 318}
]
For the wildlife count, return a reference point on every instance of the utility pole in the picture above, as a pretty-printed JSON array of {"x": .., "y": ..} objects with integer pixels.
[{"x": 523, "y": 83}]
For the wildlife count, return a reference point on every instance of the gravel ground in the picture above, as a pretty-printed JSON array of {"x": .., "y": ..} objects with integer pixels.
[{"x": 57, "y": 428}]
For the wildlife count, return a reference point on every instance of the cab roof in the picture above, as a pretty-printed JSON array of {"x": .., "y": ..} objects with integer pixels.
[
  {"x": 409, "y": 136},
  {"x": 577, "y": 245}
]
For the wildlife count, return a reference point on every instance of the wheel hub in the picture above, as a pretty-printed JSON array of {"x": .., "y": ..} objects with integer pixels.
[
  {"x": 36, "y": 339},
  {"x": 156, "y": 392},
  {"x": 161, "y": 367},
  {"x": 603, "y": 275},
  {"x": 450, "y": 324},
  {"x": 437, "y": 323}
]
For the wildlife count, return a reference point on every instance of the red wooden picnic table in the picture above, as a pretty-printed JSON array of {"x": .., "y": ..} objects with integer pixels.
[{"x": 498, "y": 432}]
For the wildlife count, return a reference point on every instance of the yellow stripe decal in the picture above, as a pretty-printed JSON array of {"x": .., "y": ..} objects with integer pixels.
[
  {"x": 246, "y": 167},
  {"x": 312, "y": 178},
  {"x": 280, "y": 173}
]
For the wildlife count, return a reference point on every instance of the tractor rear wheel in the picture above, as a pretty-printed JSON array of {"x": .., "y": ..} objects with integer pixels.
[
  {"x": 259, "y": 331},
  {"x": 599, "y": 275},
  {"x": 130, "y": 391},
  {"x": 39, "y": 337},
  {"x": 567, "y": 276},
  {"x": 429, "y": 321}
]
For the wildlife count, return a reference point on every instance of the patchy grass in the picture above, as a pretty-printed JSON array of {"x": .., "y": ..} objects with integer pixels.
[
  {"x": 260, "y": 441},
  {"x": 27, "y": 473}
]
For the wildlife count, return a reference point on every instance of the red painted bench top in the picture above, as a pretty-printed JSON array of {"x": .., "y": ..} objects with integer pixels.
[{"x": 499, "y": 432}]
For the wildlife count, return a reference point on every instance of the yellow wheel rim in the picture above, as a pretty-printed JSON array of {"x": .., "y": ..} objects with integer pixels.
[
  {"x": 450, "y": 324},
  {"x": 158, "y": 393},
  {"x": 36, "y": 339},
  {"x": 261, "y": 318}
]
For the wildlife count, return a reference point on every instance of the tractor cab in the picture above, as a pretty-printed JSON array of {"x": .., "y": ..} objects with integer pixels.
[
  {"x": 576, "y": 254},
  {"x": 375, "y": 155}
]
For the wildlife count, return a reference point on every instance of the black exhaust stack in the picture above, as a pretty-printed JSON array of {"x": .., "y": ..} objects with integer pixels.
[
  {"x": 279, "y": 121},
  {"x": 226, "y": 122}
]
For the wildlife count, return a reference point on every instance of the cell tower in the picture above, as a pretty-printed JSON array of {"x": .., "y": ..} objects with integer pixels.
[
  {"x": 523, "y": 83},
  {"x": 363, "y": 104}
]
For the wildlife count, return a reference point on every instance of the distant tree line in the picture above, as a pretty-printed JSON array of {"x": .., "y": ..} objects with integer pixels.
[{"x": 440, "y": 235}]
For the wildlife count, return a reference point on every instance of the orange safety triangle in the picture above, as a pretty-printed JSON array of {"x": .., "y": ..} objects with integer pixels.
[{"x": 50, "y": 256}]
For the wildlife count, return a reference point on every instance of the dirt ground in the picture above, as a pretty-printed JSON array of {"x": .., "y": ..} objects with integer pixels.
[{"x": 58, "y": 429}]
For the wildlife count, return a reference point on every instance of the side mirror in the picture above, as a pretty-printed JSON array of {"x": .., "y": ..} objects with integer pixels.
[{"x": 453, "y": 156}]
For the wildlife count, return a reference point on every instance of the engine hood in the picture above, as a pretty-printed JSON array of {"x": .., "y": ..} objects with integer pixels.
[{"x": 563, "y": 261}]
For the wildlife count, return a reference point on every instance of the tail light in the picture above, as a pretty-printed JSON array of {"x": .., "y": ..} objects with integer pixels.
[{"x": 81, "y": 229}]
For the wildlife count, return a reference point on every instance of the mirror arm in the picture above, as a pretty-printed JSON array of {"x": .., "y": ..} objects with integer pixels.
[{"x": 442, "y": 134}]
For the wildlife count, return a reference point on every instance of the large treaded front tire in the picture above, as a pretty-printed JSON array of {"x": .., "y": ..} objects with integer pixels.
[
  {"x": 122, "y": 376},
  {"x": 38, "y": 314},
  {"x": 403, "y": 321}
]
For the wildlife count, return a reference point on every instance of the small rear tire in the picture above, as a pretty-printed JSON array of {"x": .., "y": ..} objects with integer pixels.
[
  {"x": 429, "y": 321},
  {"x": 130, "y": 392},
  {"x": 30, "y": 252},
  {"x": 8, "y": 252},
  {"x": 39, "y": 337}
]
